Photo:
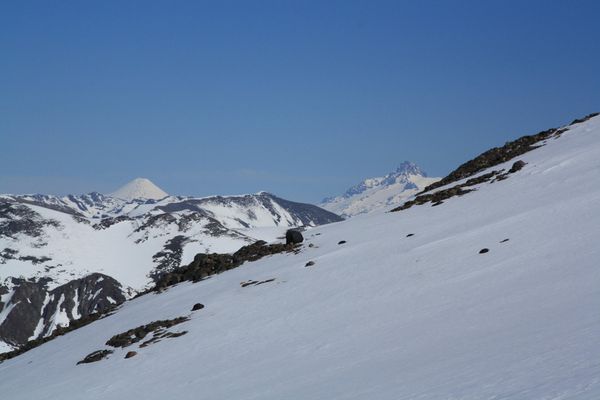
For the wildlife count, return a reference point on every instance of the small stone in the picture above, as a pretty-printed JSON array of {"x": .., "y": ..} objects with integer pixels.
[
  {"x": 310, "y": 263},
  {"x": 410, "y": 234},
  {"x": 130, "y": 354},
  {"x": 483, "y": 251},
  {"x": 311, "y": 245},
  {"x": 341, "y": 242},
  {"x": 197, "y": 306},
  {"x": 504, "y": 241}
]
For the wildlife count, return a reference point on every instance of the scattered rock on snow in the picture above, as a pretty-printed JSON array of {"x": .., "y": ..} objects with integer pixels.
[
  {"x": 255, "y": 283},
  {"x": 136, "y": 334},
  {"x": 197, "y": 306},
  {"x": 483, "y": 251},
  {"x": 341, "y": 242},
  {"x": 95, "y": 356},
  {"x": 130, "y": 354},
  {"x": 517, "y": 165},
  {"x": 310, "y": 263}
]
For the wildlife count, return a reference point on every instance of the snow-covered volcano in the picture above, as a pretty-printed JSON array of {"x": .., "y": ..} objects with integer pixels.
[{"x": 139, "y": 188}]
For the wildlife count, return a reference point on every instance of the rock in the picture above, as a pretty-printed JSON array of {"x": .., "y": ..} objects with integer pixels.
[
  {"x": 483, "y": 251},
  {"x": 310, "y": 263},
  {"x": 76, "y": 299},
  {"x": 131, "y": 354},
  {"x": 410, "y": 234},
  {"x": 205, "y": 265},
  {"x": 341, "y": 242},
  {"x": 496, "y": 156},
  {"x": 504, "y": 241},
  {"x": 95, "y": 356},
  {"x": 311, "y": 245},
  {"x": 197, "y": 306},
  {"x": 134, "y": 335},
  {"x": 293, "y": 236},
  {"x": 517, "y": 165}
]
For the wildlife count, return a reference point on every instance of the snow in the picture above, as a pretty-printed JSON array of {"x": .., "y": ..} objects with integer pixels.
[
  {"x": 40, "y": 326},
  {"x": 139, "y": 188},
  {"x": 380, "y": 193},
  {"x": 383, "y": 316}
]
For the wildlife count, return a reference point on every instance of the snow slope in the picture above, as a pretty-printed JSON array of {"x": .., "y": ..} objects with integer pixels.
[
  {"x": 380, "y": 193},
  {"x": 382, "y": 316}
]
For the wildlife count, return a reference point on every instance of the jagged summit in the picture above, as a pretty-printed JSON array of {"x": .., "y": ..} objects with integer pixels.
[
  {"x": 379, "y": 192},
  {"x": 410, "y": 168},
  {"x": 139, "y": 188}
]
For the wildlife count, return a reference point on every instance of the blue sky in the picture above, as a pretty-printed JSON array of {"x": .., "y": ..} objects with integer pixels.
[{"x": 300, "y": 98}]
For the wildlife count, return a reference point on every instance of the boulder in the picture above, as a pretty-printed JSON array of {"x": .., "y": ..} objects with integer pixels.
[{"x": 293, "y": 236}]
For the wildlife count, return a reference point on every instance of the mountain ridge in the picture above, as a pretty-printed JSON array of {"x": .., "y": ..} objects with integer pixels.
[
  {"x": 48, "y": 241},
  {"x": 379, "y": 193}
]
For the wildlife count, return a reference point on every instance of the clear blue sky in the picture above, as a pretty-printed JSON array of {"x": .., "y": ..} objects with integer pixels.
[{"x": 299, "y": 98}]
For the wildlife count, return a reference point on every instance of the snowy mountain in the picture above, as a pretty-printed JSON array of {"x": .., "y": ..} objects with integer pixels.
[
  {"x": 483, "y": 287},
  {"x": 379, "y": 193},
  {"x": 50, "y": 244},
  {"x": 139, "y": 188}
]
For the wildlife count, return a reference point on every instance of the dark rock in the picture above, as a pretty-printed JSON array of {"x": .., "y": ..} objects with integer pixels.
[
  {"x": 205, "y": 265},
  {"x": 95, "y": 294},
  {"x": 309, "y": 264},
  {"x": 436, "y": 198},
  {"x": 134, "y": 335},
  {"x": 495, "y": 156},
  {"x": 131, "y": 354},
  {"x": 16, "y": 219},
  {"x": 95, "y": 356},
  {"x": 255, "y": 283},
  {"x": 410, "y": 234},
  {"x": 580, "y": 120},
  {"x": 341, "y": 242},
  {"x": 483, "y": 251},
  {"x": 504, "y": 241},
  {"x": 293, "y": 236},
  {"x": 197, "y": 306},
  {"x": 517, "y": 165},
  {"x": 311, "y": 245}
]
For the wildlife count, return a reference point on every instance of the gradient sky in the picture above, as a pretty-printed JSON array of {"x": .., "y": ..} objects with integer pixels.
[{"x": 299, "y": 98}]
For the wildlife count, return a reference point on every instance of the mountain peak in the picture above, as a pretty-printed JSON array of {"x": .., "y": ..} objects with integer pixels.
[
  {"x": 410, "y": 168},
  {"x": 139, "y": 188}
]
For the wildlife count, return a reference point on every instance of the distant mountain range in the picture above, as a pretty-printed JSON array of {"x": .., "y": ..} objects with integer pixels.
[
  {"x": 483, "y": 286},
  {"x": 380, "y": 192},
  {"x": 50, "y": 245}
]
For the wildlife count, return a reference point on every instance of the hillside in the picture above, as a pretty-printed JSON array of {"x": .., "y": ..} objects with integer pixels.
[
  {"x": 489, "y": 293},
  {"x": 50, "y": 245}
]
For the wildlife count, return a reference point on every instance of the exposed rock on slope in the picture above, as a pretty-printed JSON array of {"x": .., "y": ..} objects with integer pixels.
[
  {"x": 32, "y": 311},
  {"x": 486, "y": 160}
]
